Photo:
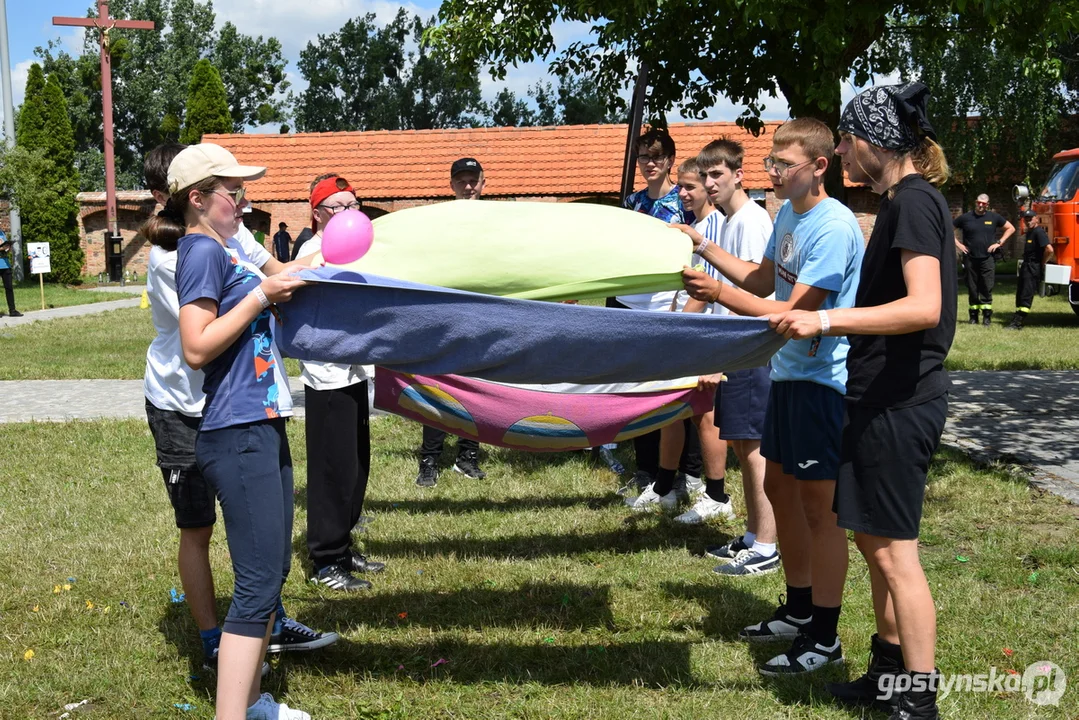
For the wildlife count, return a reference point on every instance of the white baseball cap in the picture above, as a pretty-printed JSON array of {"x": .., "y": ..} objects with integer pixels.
[{"x": 205, "y": 160}]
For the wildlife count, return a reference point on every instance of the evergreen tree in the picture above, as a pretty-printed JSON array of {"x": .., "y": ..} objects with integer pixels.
[
  {"x": 51, "y": 217},
  {"x": 207, "y": 104}
]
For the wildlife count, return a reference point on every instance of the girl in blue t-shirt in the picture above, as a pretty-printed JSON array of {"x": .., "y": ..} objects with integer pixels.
[{"x": 242, "y": 450}]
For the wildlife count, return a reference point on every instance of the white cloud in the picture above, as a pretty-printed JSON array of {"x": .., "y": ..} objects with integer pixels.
[
  {"x": 19, "y": 74},
  {"x": 18, "y": 79},
  {"x": 297, "y": 23}
]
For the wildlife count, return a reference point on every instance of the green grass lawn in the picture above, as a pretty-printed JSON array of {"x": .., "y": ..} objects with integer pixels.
[
  {"x": 106, "y": 346},
  {"x": 531, "y": 594},
  {"x": 1050, "y": 340},
  {"x": 28, "y": 296}
]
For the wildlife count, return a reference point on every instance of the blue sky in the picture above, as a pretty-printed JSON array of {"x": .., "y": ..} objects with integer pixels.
[{"x": 294, "y": 24}]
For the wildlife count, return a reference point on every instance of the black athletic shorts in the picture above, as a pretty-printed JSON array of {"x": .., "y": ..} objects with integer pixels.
[
  {"x": 741, "y": 402},
  {"x": 885, "y": 459},
  {"x": 174, "y": 437},
  {"x": 802, "y": 428}
]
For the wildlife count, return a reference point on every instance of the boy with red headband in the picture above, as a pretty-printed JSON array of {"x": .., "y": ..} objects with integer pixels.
[{"x": 338, "y": 432}]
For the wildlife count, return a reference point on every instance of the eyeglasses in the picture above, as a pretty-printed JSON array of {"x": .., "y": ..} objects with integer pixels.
[
  {"x": 237, "y": 195},
  {"x": 654, "y": 159},
  {"x": 334, "y": 209},
  {"x": 780, "y": 167},
  {"x": 982, "y": 204}
]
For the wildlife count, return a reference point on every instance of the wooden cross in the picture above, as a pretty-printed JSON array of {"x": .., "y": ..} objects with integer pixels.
[{"x": 105, "y": 23}]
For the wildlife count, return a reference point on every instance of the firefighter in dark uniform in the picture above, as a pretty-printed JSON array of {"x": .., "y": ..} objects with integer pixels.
[
  {"x": 979, "y": 243},
  {"x": 1036, "y": 253}
]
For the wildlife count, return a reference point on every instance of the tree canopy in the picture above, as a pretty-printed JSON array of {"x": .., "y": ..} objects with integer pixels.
[
  {"x": 577, "y": 101},
  {"x": 700, "y": 50},
  {"x": 367, "y": 77},
  {"x": 47, "y": 201},
  {"x": 151, "y": 76},
  {"x": 207, "y": 107}
]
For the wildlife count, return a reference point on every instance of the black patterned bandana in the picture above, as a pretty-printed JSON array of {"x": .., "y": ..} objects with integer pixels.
[{"x": 892, "y": 117}]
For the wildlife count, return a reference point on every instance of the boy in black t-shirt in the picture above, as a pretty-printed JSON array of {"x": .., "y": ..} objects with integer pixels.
[
  {"x": 979, "y": 230},
  {"x": 900, "y": 330},
  {"x": 1036, "y": 253}
]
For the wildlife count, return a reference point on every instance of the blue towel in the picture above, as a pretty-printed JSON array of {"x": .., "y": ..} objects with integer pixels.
[{"x": 345, "y": 317}]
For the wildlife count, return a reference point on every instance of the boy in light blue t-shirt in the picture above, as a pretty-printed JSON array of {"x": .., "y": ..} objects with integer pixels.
[{"x": 811, "y": 263}]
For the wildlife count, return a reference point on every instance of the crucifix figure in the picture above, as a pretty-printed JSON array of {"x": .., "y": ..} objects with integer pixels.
[{"x": 105, "y": 23}]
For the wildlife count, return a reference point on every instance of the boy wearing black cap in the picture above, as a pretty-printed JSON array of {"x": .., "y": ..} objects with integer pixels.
[
  {"x": 466, "y": 181},
  {"x": 1036, "y": 253}
]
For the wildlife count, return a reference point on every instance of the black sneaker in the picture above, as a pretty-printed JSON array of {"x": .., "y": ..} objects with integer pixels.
[
  {"x": 209, "y": 663},
  {"x": 749, "y": 562},
  {"x": 729, "y": 551},
  {"x": 428, "y": 476},
  {"x": 360, "y": 563},
  {"x": 297, "y": 637},
  {"x": 805, "y": 656},
  {"x": 781, "y": 626},
  {"x": 340, "y": 577},
  {"x": 468, "y": 464},
  {"x": 14, "y": 313}
]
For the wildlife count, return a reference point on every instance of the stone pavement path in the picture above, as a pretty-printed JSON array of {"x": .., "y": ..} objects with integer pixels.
[
  {"x": 33, "y": 316},
  {"x": 61, "y": 400},
  {"x": 1028, "y": 417}
]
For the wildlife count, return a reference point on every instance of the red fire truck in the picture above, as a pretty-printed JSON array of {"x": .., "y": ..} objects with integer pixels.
[{"x": 1058, "y": 207}]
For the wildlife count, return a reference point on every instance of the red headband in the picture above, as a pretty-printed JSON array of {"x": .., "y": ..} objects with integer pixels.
[{"x": 326, "y": 188}]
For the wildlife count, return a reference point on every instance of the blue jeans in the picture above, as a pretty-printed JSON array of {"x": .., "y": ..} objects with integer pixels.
[{"x": 250, "y": 469}]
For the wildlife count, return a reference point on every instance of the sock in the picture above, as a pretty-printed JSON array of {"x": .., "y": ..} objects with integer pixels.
[
  {"x": 824, "y": 624},
  {"x": 763, "y": 549},
  {"x": 749, "y": 538},
  {"x": 800, "y": 602},
  {"x": 715, "y": 490},
  {"x": 664, "y": 481},
  {"x": 211, "y": 639},
  {"x": 279, "y": 618}
]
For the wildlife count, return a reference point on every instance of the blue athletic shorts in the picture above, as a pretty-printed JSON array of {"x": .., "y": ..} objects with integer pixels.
[
  {"x": 803, "y": 429},
  {"x": 741, "y": 403}
]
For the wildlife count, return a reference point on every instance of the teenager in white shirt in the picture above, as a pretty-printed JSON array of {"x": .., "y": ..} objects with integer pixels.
[
  {"x": 338, "y": 432},
  {"x": 742, "y": 398},
  {"x": 710, "y": 498}
]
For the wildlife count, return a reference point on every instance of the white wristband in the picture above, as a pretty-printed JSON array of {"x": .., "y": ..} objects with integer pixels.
[
  {"x": 261, "y": 297},
  {"x": 703, "y": 246},
  {"x": 825, "y": 324}
]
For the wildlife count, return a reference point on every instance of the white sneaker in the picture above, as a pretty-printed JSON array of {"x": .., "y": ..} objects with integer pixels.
[
  {"x": 705, "y": 509},
  {"x": 266, "y": 708},
  {"x": 694, "y": 485},
  {"x": 649, "y": 500}
]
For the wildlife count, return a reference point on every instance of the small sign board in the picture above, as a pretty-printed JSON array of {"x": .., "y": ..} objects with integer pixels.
[{"x": 40, "y": 263}]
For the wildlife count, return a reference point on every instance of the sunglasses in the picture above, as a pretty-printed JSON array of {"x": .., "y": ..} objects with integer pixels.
[{"x": 237, "y": 195}]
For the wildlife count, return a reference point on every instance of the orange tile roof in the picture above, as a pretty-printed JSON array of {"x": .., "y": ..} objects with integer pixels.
[{"x": 414, "y": 164}]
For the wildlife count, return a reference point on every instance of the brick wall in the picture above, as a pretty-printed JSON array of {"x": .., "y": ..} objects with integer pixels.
[{"x": 132, "y": 210}]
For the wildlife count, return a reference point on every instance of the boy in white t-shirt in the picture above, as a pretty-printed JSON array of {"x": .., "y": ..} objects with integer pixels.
[
  {"x": 338, "y": 433},
  {"x": 174, "y": 404},
  {"x": 710, "y": 498},
  {"x": 742, "y": 398}
]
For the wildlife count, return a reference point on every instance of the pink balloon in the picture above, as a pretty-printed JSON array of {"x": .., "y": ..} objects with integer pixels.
[{"x": 347, "y": 237}]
